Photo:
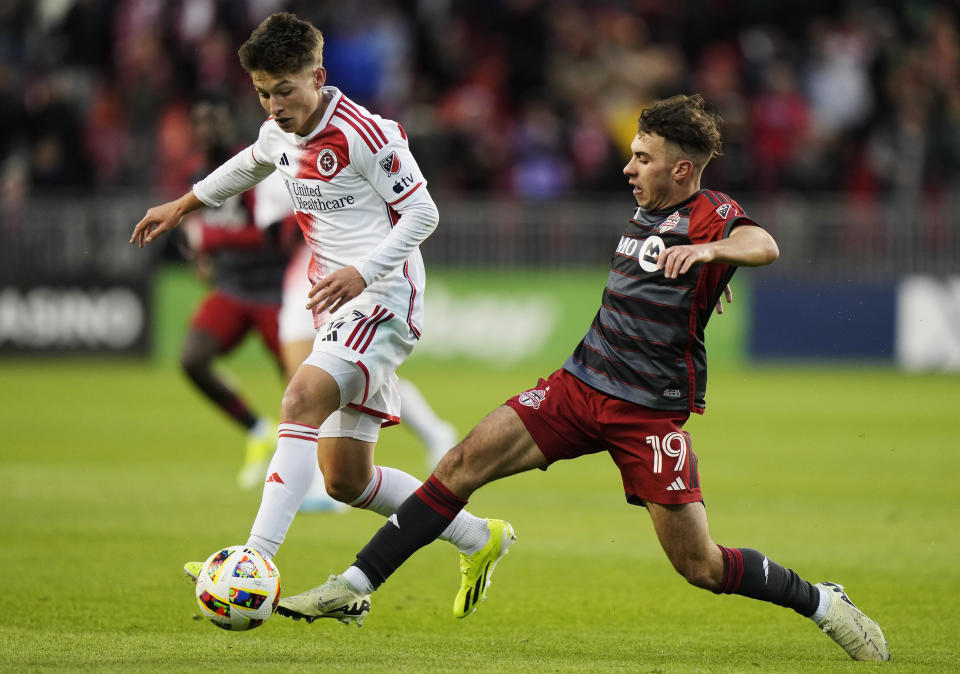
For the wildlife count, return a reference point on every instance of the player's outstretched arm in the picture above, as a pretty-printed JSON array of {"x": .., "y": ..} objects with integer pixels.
[
  {"x": 747, "y": 246},
  {"x": 163, "y": 218}
]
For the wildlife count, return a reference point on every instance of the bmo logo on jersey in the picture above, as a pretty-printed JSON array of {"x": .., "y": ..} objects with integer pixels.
[{"x": 647, "y": 252}]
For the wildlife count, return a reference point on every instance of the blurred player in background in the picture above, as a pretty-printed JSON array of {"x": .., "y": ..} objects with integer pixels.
[
  {"x": 628, "y": 388},
  {"x": 242, "y": 248},
  {"x": 363, "y": 206}
]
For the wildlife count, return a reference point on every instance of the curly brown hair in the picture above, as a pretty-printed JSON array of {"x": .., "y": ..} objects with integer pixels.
[
  {"x": 282, "y": 43},
  {"x": 685, "y": 121}
]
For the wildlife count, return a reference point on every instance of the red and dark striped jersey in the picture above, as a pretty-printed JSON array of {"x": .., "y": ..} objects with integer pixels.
[{"x": 646, "y": 342}]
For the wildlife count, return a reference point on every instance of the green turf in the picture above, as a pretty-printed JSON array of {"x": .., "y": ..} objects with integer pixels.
[{"x": 114, "y": 474}]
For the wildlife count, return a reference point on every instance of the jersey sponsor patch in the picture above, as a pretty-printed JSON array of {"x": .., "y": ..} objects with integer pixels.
[
  {"x": 390, "y": 164},
  {"x": 650, "y": 252},
  {"x": 327, "y": 162}
]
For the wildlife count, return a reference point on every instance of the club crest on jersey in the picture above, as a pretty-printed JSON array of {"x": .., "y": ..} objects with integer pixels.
[
  {"x": 670, "y": 223},
  {"x": 533, "y": 398},
  {"x": 327, "y": 162},
  {"x": 723, "y": 210},
  {"x": 390, "y": 164}
]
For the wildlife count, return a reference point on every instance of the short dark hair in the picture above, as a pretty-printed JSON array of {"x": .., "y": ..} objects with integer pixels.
[
  {"x": 685, "y": 121},
  {"x": 282, "y": 43}
]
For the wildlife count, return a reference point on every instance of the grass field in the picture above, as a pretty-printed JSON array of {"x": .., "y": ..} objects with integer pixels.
[{"x": 115, "y": 473}]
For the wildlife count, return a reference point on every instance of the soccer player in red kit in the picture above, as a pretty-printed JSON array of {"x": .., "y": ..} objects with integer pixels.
[{"x": 628, "y": 388}]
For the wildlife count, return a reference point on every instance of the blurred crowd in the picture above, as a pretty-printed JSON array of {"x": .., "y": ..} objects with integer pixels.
[{"x": 525, "y": 98}]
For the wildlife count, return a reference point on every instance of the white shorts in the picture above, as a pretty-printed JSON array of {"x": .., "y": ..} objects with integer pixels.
[
  {"x": 296, "y": 321},
  {"x": 361, "y": 347}
]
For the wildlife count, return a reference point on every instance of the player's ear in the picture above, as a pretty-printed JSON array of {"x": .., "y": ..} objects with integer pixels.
[
  {"x": 320, "y": 76},
  {"x": 682, "y": 170}
]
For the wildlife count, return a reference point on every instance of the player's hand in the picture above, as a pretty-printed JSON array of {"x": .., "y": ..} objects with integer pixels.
[
  {"x": 335, "y": 289},
  {"x": 158, "y": 220},
  {"x": 677, "y": 260},
  {"x": 728, "y": 296},
  {"x": 163, "y": 218}
]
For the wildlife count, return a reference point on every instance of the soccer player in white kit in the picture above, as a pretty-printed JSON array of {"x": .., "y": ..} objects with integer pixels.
[{"x": 363, "y": 206}]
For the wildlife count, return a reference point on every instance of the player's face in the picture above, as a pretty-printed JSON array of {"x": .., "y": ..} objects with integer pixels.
[
  {"x": 292, "y": 99},
  {"x": 651, "y": 171}
]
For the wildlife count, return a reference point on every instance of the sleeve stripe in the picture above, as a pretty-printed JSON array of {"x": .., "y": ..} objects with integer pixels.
[
  {"x": 369, "y": 123},
  {"x": 348, "y": 114},
  {"x": 357, "y": 129},
  {"x": 415, "y": 188}
]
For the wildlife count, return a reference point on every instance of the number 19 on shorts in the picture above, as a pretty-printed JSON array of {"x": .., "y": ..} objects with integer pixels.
[{"x": 673, "y": 445}]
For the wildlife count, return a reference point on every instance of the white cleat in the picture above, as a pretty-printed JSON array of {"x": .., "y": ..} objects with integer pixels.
[
  {"x": 857, "y": 634},
  {"x": 334, "y": 599}
]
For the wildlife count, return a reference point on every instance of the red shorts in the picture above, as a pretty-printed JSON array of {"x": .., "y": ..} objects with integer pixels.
[
  {"x": 230, "y": 319},
  {"x": 567, "y": 418}
]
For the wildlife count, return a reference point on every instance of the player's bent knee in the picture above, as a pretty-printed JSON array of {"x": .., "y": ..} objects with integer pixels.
[
  {"x": 194, "y": 366},
  {"x": 298, "y": 406},
  {"x": 698, "y": 573},
  {"x": 343, "y": 490}
]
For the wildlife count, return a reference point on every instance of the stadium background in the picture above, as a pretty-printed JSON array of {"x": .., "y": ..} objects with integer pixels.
[{"x": 842, "y": 137}]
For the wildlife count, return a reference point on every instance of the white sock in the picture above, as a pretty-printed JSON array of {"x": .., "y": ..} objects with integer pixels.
[
  {"x": 389, "y": 487},
  {"x": 289, "y": 476},
  {"x": 822, "y": 607},
  {"x": 358, "y": 580}
]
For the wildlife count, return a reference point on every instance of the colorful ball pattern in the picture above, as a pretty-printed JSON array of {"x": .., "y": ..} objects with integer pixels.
[{"x": 238, "y": 588}]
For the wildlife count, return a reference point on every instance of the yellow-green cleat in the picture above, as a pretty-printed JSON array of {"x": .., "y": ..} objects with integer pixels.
[
  {"x": 192, "y": 569},
  {"x": 476, "y": 569},
  {"x": 257, "y": 457}
]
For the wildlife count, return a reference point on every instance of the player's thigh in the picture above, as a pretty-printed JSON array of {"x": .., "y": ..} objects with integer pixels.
[
  {"x": 654, "y": 454},
  {"x": 311, "y": 396},
  {"x": 498, "y": 446}
]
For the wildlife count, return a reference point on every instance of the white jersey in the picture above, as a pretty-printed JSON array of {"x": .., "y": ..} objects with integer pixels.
[{"x": 359, "y": 196}]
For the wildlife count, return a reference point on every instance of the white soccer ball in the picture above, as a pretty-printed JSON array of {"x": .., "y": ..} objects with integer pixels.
[{"x": 238, "y": 588}]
